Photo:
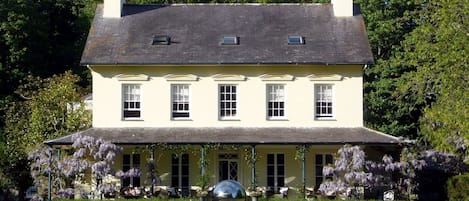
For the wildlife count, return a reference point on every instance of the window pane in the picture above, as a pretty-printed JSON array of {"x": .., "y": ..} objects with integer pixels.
[
  {"x": 223, "y": 172},
  {"x": 280, "y": 170},
  {"x": 136, "y": 181},
  {"x": 318, "y": 182},
  {"x": 136, "y": 160},
  {"x": 270, "y": 170},
  {"x": 280, "y": 182},
  {"x": 275, "y": 100},
  {"x": 280, "y": 159},
  {"x": 227, "y": 100},
  {"x": 126, "y": 159},
  {"x": 126, "y": 182},
  {"x": 329, "y": 159},
  {"x": 131, "y": 100},
  {"x": 180, "y": 96},
  {"x": 131, "y": 113},
  {"x": 318, "y": 159},
  {"x": 323, "y": 100},
  {"x": 318, "y": 170},
  {"x": 270, "y": 159},
  {"x": 270, "y": 181}
]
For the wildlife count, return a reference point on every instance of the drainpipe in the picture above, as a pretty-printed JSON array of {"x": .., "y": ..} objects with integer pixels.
[{"x": 253, "y": 167}]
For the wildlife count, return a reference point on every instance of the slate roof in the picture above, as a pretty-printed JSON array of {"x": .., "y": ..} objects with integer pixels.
[
  {"x": 197, "y": 30},
  {"x": 235, "y": 135}
]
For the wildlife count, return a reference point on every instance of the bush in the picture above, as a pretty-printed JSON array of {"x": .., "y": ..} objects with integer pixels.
[{"x": 458, "y": 188}]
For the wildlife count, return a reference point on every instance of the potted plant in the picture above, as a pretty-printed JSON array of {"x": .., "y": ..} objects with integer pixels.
[{"x": 253, "y": 193}]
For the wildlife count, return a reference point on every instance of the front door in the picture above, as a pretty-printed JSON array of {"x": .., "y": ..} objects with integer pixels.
[{"x": 227, "y": 166}]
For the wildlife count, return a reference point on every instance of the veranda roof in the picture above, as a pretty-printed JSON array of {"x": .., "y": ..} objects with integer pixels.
[{"x": 235, "y": 135}]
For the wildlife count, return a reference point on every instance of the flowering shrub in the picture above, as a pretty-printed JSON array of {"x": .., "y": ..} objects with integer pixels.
[
  {"x": 351, "y": 170},
  {"x": 132, "y": 172},
  {"x": 347, "y": 172},
  {"x": 89, "y": 153},
  {"x": 42, "y": 163},
  {"x": 96, "y": 154}
]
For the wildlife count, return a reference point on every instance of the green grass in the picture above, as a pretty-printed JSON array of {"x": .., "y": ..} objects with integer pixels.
[{"x": 196, "y": 199}]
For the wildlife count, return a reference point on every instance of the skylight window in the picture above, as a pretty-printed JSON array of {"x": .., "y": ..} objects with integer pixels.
[
  {"x": 296, "y": 40},
  {"x": 230, "y": 40},
  {"x": 161, "y": 40}
]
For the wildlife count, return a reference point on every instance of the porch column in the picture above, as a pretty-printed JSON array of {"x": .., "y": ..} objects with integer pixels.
[
  {"x": 253, "y": 167},
  {"x": 303, "y": 169},
  {"x": 202, "y": 166},
  {"x": 152, "y": 171},
  {"x": 49, "y": 177}
]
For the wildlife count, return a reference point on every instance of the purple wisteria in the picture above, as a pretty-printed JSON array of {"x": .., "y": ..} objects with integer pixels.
[
  {"x": 351, "y": 171},
  {"x": 132, "y": 172},
  {"x": 89, "y": 153},
  {"x": 102, "y": 155},
  {"x": 347, "y": 172}
]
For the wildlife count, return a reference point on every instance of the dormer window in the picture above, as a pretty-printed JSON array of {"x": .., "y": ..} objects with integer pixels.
[
  {"x": 230, "y": 40},
  {"x": 296, "y": 40},
  {"x": 161, "y": 40}
]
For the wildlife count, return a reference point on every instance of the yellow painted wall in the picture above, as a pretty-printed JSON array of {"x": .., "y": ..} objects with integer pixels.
[{"x": 156, "y": 99}]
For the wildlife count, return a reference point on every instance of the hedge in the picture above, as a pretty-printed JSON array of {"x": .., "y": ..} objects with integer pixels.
[{"x": 458, "y": 188}]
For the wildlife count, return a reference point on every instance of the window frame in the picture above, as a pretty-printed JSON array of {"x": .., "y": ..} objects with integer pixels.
[
  {"x": 230, "y": 40},
  {"x": 236, "y": 109},
  {"x": 179, "y": 175},
  {"x": 230, "y": 158},
  {"x": 188, "y": 102},
  {"x": 323, "y": 164},
  {"x": 295, "y": 40},
  {"x": 124, "y": 87},
  {"x": 131, "y": 165},
  {"x": 325, "y": 116},
  {"x": 276, "y": 175},
  {"x": 268, "y": 96}
]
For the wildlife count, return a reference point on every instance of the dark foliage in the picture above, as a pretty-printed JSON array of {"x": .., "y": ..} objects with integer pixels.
[{"x": 458, "y": 188}]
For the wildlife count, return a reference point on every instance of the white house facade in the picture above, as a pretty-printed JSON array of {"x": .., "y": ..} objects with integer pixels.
[{"x": 263, "y": 80}]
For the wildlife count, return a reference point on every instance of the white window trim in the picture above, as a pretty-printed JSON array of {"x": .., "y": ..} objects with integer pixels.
[
  {"x": 190, "y": 103},
  {"x": 228, "y": 118},
  {"x": 123, "y": 102},
  {"x": 334, "y": 103},
  {"x": 132, "y": 165},
  {"x": 285, "y": 116},
  {"x": 276, "y": 175},
  {"x": 323, "y": 154},
  {"x": 179, "y": 173},
  {"x": 237, "y": 160}
]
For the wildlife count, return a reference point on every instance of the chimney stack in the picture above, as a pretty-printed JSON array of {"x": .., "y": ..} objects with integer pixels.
[
  {"x": 113, "y": 8},
  {"x": 342, "y": 8}
]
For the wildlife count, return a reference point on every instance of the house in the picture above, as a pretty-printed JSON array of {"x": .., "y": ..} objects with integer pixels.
[{"x": 225, "y": 82}]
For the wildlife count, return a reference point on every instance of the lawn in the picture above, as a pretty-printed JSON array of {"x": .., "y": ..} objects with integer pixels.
[{"x": 195, "y": 199}]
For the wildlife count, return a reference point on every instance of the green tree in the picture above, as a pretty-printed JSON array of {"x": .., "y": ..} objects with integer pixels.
[
  {"x": 438, "y": 50},
  {"x": 52, "y": 108},
  {"x": 426, "y": 75},
  {"x": 388, "y": 22}
]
